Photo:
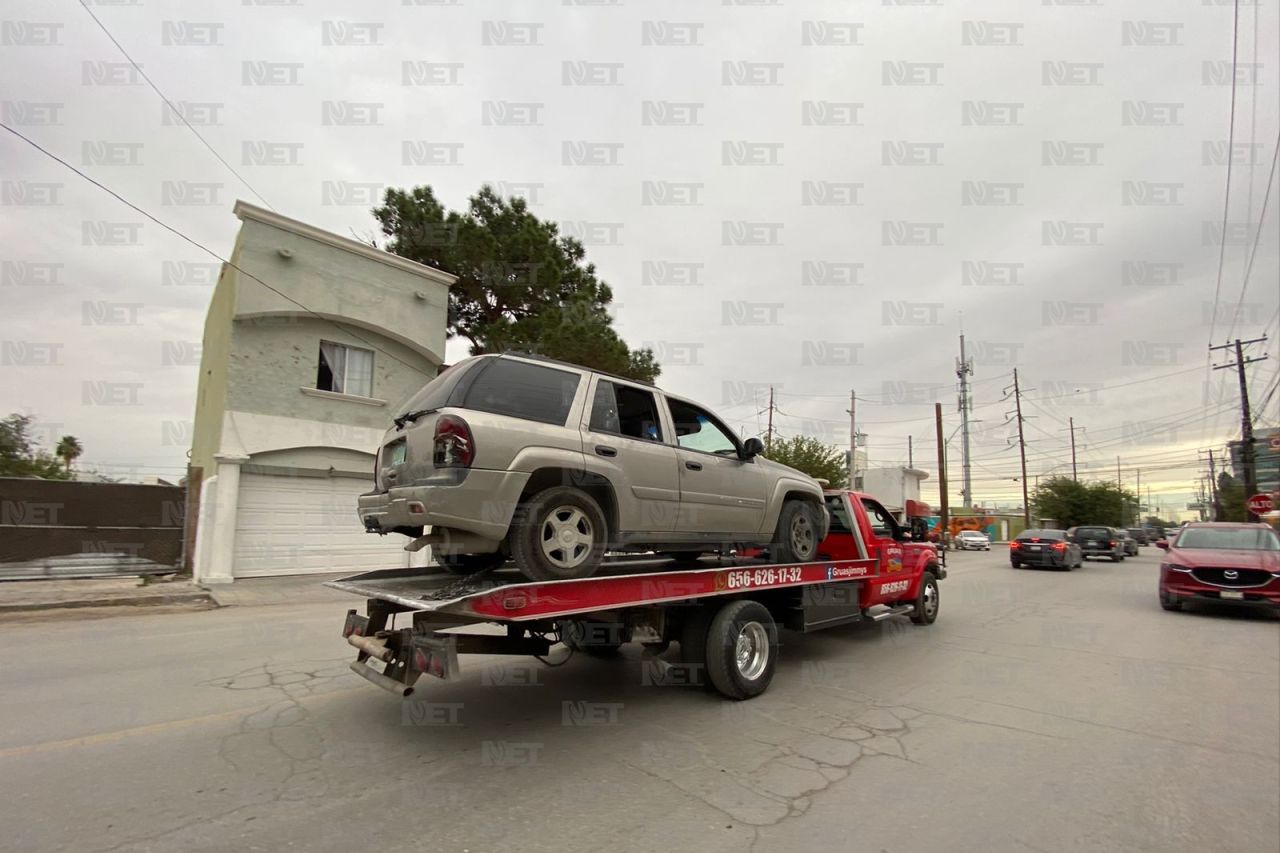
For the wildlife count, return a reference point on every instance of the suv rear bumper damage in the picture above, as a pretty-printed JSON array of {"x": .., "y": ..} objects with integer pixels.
[{"x": 481, "y": 502}]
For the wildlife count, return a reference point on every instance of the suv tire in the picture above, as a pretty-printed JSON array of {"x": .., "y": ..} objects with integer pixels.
[
  {"x": 469, "y": 564},
  {"x": 796, "y": 538},
  {"x": 558, "y": 534}
]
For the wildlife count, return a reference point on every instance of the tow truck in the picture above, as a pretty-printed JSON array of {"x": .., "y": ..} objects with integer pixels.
[{"x": 723, "y": 612}]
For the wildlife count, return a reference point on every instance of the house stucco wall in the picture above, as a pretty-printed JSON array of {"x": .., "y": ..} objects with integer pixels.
[
  {"x": 211, "y": 388},
  {"x": 272, "y": 359},
  {"x": 406, "y": 306}
]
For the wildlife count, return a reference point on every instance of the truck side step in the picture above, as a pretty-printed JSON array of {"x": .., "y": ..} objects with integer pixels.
[{"x": 877, "y": 615}]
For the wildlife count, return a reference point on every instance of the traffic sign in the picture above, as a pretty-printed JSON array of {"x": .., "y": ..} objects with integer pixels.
[{"x": 1261, "y": 504}]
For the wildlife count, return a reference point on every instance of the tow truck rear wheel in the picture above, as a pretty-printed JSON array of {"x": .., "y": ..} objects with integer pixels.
[
  {"x": 742, "y": 649},
  {"x": 926, "y": 610}
]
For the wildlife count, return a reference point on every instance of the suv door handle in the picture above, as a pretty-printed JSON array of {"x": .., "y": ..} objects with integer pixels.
[
  {"x": 693, "y": 466},
  {"x": 606, "y": 450}
]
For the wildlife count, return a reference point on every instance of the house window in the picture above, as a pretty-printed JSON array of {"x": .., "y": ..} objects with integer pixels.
[{"x": 345, "y": 370}]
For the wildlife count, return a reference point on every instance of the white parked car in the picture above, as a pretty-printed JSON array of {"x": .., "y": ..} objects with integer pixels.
[{"x": 972, "y": 540}]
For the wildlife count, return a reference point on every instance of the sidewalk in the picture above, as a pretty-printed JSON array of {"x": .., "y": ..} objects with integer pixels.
[
  {"x": 291, "y": 589},
  {"x": 26, "y": 596}
]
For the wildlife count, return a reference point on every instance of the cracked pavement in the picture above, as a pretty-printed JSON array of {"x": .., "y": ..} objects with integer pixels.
[{"x": 1043, "y": 711}]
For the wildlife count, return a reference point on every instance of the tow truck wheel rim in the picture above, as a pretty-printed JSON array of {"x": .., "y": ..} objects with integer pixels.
[
  {"x": 567, "y": 537},
  {"x": 802, "y": 535},
  {"x": 751, "y": 651},
  {"x": 930, "y": 599}
]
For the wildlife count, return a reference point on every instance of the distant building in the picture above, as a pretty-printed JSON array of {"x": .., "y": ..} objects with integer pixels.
[{"x": 1266, "y": 455}]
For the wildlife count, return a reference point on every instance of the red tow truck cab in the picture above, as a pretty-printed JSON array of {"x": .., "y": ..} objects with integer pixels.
[{"x": 861, "y": 529}]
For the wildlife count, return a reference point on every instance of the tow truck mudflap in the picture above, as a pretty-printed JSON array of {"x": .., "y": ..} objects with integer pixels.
[{"x": 407, "y": 655}]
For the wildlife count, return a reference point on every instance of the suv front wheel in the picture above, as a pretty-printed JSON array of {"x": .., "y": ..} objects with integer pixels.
[
  {"x": 796, "y": 538},
  {"x": 558, "y": 534}
]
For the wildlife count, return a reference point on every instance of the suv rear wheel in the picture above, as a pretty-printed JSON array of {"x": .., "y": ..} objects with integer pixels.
[
  {"x": 558, "y": 534},
  {"x": 796, "y": 538}
]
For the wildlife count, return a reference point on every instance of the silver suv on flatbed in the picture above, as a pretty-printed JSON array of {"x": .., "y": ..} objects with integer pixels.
[{"x": 551, "y": 465}]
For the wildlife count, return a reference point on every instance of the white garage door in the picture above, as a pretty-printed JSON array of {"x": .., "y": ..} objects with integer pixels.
[{"x": 294, "y": 525}]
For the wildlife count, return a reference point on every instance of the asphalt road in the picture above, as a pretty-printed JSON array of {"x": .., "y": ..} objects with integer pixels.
[{"x": 1044, "y": 711}]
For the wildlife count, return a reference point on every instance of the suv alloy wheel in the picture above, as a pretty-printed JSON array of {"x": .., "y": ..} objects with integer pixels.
[{"x": 558, "y": 534}]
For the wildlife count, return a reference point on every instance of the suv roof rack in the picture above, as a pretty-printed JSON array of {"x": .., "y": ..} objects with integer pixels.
[{"x": 533, "y": 356}]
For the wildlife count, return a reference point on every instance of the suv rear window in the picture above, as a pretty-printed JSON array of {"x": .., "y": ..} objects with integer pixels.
[{"x": 522, "y": 390}]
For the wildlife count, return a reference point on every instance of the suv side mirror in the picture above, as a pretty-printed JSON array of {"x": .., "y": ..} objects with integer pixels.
[{"x": 752, "y": 447}]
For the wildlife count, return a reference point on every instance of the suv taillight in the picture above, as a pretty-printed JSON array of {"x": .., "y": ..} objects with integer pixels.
[{"x": 454, "y": 446}]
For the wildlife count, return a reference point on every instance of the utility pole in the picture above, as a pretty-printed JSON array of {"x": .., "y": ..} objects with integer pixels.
[
  {"x": 1246, "y": 418},
  {"x": 1022, "y": 449},
  {"x": 943, "y": 515},
  {"x": 910, "y": 459},
  {"x": 1072, "y": 427},
  {"x": 768, "y": 435},
  {"x": 1137, "y": 501},
  {"x": 1213, "y": 489},
  {"x": 853, "y": 438},
  {"x": 1119, "y": 482},
  {"x": 964, "y": 369}
]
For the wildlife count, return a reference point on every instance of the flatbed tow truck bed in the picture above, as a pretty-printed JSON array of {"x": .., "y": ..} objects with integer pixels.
[{"x": 723, "y": 612}]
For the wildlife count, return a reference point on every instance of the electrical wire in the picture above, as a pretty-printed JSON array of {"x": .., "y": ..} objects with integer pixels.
[
  {"x": 1257, "y": 238},
  {"x": 210, "y": 252},
  {"x": 169, "y": 104}
]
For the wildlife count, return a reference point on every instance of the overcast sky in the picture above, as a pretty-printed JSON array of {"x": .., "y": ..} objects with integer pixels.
[{"x": 813, "y": 196}]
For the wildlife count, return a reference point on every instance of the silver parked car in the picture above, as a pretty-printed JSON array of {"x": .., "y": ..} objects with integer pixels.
[
  {"x": 972, "y": 540},
  {"x": 551, "y": 465}
]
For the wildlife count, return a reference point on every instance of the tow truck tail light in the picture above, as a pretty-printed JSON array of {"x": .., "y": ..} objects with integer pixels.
[{"x": 454, "y": 445}]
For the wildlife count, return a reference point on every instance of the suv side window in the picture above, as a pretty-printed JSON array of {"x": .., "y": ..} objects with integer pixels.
[
  {"x": 697, "y": 429},
  {"x": 623, "y": 410},
  {"x": 504, "y": 386}
]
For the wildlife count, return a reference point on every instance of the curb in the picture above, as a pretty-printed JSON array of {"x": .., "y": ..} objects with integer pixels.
[{"x": 135, "y": 601}]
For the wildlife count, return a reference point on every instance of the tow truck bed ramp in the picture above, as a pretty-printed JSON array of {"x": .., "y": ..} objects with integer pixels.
[{"x": 506, "y": 596}]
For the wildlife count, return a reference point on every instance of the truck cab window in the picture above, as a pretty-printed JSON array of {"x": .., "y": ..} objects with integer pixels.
[{"x": 883, "y": 524}]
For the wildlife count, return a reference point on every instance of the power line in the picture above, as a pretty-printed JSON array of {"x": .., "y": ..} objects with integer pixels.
[
  {"x": 1226, "y": 200},
  {"x": 170, "y": 105},
  {"x": 209, "y": 251},
  {"x": 1257, "y": 238}
]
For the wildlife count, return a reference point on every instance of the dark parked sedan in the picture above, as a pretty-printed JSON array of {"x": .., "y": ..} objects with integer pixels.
[
  {"x": 1141, "y": 534},
  {"x": 1098, "y": 541},
  {"x": 1050, "y": 548}
]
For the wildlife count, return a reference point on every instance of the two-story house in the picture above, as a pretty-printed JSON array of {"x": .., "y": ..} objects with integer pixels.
[{"x": 310, "y": 342}]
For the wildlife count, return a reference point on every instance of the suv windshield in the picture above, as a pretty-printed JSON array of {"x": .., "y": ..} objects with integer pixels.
[{"x": 1228, "y": 539}]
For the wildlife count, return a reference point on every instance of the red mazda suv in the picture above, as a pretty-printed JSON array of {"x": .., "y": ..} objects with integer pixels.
[{"x": 1221, "y": 562}]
